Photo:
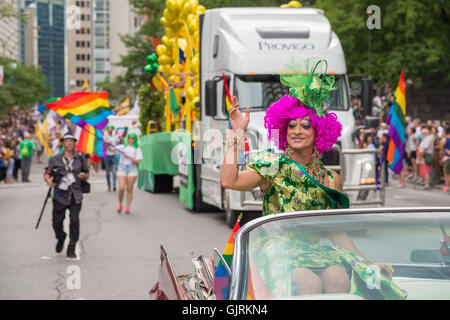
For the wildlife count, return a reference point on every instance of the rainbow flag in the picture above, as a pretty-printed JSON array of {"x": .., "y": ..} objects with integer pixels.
[
  {"x": 221, "y": 275},
  {"x": 43, "y": 136},
  {"x": 90, "y": 141},
  {"x": 227, "y": 91},
  {"x": 84, "y": 108},
  {"x": 162, "y": 78},
  {"x": 229, "y": 104},
  {"x": 396, "y": 120}
]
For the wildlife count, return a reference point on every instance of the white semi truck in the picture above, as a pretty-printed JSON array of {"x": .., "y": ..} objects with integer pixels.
[{"x": 251, "y": 46}]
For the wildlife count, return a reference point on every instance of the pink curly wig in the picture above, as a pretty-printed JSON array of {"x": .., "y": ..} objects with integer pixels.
[{"x": 328, "y": 128}]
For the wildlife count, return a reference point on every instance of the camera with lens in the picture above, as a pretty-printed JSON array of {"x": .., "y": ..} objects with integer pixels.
[{"x": 55, "y": 174}]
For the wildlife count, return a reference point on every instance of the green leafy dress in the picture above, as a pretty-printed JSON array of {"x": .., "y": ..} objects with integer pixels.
[{"x": 291, "y": 188}]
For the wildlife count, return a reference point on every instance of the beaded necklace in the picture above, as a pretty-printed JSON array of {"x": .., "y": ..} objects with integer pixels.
[{"x": 315, "y": 168}]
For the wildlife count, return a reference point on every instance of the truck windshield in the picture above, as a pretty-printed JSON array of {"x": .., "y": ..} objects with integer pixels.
[{"x": 260, "y": 91}]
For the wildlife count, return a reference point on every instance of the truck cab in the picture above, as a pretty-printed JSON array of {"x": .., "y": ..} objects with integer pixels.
[{"x": 251, "y": 46}]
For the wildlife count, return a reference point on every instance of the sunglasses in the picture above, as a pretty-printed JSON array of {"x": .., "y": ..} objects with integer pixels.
[{"x": 305, "y": 123}]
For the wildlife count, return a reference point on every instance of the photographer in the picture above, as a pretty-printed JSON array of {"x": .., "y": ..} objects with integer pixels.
[{"x": 64, "y": 174}]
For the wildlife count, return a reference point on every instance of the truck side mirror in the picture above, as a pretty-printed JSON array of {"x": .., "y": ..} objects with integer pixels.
[
  {"x": 366, "y": 96},
  {"x": 211, "y": 98}
]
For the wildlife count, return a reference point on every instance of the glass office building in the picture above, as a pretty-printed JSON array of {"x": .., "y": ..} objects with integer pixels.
[{"x": 50, "y": 16}]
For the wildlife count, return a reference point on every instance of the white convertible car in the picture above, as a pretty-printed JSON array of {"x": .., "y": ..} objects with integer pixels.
[{"x": 412, "y": 242}]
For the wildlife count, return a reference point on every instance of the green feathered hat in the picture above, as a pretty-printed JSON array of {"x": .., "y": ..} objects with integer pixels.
[{"x": 311, "y": 87}]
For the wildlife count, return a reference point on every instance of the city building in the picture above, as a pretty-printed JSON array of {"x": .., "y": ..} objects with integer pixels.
[
  {"x": 95, "y": 45},
  {"x": 101, "y": 40},
  {"x": 29, "y": 52},
  {"x": 50, "y": 26},
  {"x": 9, "y": 34},
  {"x": 126, "y": 22},
  {"x": 79, "y": 26}
]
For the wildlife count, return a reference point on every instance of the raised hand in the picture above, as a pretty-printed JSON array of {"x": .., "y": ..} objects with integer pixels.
[{"x": 237, "y": 119}]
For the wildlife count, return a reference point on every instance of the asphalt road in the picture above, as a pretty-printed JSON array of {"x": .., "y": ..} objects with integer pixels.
[{"x": 118, "y": 254}]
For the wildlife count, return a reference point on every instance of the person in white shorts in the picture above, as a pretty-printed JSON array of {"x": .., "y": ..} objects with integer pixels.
[{"x": 129, "y": 157}]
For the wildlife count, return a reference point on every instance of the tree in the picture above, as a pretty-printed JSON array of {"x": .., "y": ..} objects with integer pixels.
[
  {"x": 24, "y": 85},
  {"x": 139, "y": 46},
  {"x": 117, "y": 90},
  {"x": 8, "y": 9},
  {"x": 413, "y": 37},
  {"x": 152, "y": 106}
]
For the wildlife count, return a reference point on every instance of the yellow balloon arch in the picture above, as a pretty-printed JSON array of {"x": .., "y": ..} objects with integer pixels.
[{"x": 178, "y": 60}]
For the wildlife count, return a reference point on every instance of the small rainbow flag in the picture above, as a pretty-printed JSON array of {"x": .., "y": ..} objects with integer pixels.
[
  {"x": 227, "y": 91},
  {"x": 84, "y": 108},
  {"x": 162, "y": 78},
  {"x": 229, "y": 104},
  {"x": 90, "y": 141},
  {"x": 221, "y": 275},
  {"x": 396, "y": 120}
]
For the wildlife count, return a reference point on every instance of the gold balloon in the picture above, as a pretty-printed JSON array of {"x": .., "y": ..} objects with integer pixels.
[
  {"x": 195, "y": 64},
  {"x": 294, "y": 4},
  {"x": 161, "y": 50},
  {"x": 170, "y": 33},
  {"x": 171, "y": 5},
  {"x": 191, "y": 94},
  {"x": 167, "y": 14},
  {"x": 187, "y": 8},
  {"x": 190, "y": 18},
  {"x": 173, "y": 78},
  {"x": 201, "y": 8},
  {"x": 194, "y": 3},
  {"x": 165, "y": 59},
  {"x": 163, "y": 21},
  {"x": 165, "y": 41},
  {"x": 166, "y": 70},
  {"x": 192, "y": 26},
  {"x": 180, "y": 4}
]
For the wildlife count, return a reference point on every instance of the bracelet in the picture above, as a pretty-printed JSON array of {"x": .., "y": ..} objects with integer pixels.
[{"x": 235, "y": 139}]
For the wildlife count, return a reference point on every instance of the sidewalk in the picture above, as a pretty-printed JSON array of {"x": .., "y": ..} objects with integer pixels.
[{"x": 417, "y": 184}]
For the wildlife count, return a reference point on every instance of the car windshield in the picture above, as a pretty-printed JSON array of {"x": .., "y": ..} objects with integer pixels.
[
  {"x": 365, "y": 256},
  {"x": 260, "y": 91}
]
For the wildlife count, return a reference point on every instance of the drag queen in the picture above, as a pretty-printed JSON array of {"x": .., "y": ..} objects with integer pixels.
[{"x": 297, "y": 180}]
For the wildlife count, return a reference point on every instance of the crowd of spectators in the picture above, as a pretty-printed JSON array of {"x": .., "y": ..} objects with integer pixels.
[
  {"x": 424, "y": 156},
  {"x": 16, "y": 145}
]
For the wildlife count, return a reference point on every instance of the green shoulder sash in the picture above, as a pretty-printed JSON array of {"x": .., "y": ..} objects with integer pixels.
[{"x": 334, "y": 196}]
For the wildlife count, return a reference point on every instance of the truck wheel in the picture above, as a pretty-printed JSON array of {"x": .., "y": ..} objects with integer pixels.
[{"x": 230, "y": 215}]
